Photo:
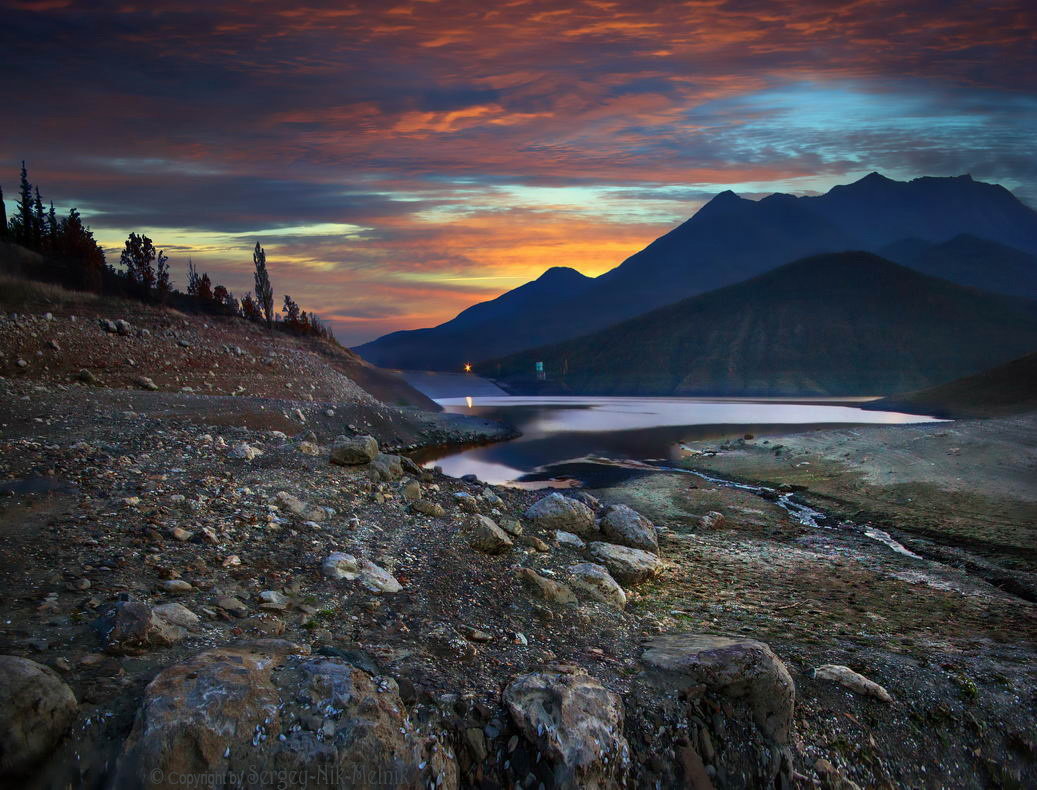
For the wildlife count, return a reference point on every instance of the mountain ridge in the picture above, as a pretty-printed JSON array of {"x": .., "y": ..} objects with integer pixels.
[
  {"x": 728, "y": 240},
  {"x": 847, "y": 323}
]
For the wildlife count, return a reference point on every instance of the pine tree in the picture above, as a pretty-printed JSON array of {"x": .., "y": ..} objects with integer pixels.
[
  {"x": 39, "y": 222},
  {"x": 292, "y": 317},
  {"x": 192, "y": 278},
  {"x": 250, "y": 309},
  {"x": 53, "y": 230},
  {"x": 205, "y": 290},
  {"x": 86, "y": 259},
  {"x": 3, "y": 217},
  {"x": 264, "y": 291},
  {"x": 23, "y": 220}
]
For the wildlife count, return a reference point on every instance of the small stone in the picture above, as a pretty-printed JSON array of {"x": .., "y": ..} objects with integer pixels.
[
  {"x": 596, "y": 583},
  {"x": 548, "y": 589},
  {"x": 244, "y": 451},
  {"x": 309, "y": 448},
  {"x": 180, "y": 534},
  {"x": 427, "y": 508},
  {"x": 852, "y": 680},
  {"x": 712, "y": 520},
  {"x": 146, "y": 383},
  {"x": 176, "y": 586},
  {"x": 340, "y": 566},
  {"x": 569, "y": 539}
]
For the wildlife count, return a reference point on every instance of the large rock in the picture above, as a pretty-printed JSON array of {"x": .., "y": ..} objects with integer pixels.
[
  {"x": 737, "y": 668},
  {"x": 483, "y": 534},
  {"x": 575, "y": 723},
  {"x": 542, "y": 587},
  {"x": 386, "y": 468},
  {"x": 625, "y": 526},
  {"x": 854, "y": 681},
  {"x": 556, "y": 511},
  {"x": 262, "y": 708},
  {"x": 594, "y": 581},
  {"x": 132, "y": 628},
  {"x": 36, "y": 709},
  {"x": 354, "y": 451},
  {"x": 628, "y": 566}
]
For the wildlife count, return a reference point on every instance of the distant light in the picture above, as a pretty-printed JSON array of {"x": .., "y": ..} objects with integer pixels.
[
  {"x": 467, "y": 367},
  {"x": 468, "y": 401}
]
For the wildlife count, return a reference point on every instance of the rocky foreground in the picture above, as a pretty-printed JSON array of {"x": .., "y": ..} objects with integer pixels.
[{"x": 205, "y": 590}]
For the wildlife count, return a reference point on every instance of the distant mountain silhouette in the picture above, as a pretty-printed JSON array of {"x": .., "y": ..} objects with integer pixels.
[
  {"x": 1006, "y": 389},
  {"x": 836, "y": 324},
  {"x": 476, "y": 333},
  {"x": 728, "y": 240},
  {"x": 971, "y": 260}
]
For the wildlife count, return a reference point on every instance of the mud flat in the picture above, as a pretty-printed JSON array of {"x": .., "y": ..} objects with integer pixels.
[{"x": 968, "y": 485}]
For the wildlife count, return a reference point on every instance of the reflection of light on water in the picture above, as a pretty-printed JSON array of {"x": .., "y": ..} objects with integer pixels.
[{"x": 468, "y": 401}]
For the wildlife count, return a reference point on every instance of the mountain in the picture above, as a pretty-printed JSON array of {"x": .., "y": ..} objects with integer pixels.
[
  {"x": 836, "y": 324},
  {"x": 728, "y": 240},
  {"x": 1006, "y": 389},
  {"x": 878, "y": 211},
  {"x": 478, "y": 332},
  {"x": 970, "y": 260}
]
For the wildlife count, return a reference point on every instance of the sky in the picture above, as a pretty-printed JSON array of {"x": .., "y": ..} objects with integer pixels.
[{"x": 400, "y": 161}]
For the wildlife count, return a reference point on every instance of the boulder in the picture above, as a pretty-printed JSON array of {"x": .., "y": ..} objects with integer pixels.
[
  {"x": 386, "y": 468},
  {"x": 556, "y": 511},
  {"x": 354, "y": 451},
  {"x": 133, "y": 628},
  {"x": 594, "y": 581},
  {"x": 575, "y": 723},
  {"x": 340, "y": 566},
  {"x": 263, "y": 708},
  {"x": 712, "y": 520},
  {"x": 410, "y": 491},
  {"x": 542, "y": 587},
  {"x": 625, "y": 526},
  {"x": 36, "y": 709},
  {"x": 737, "y": 668},
  {"x": 483, "y": 534},
  {"x": 466, "y": 502},
  {"x": 628, "y": 566},
  {"x": 854, "y": 681}
]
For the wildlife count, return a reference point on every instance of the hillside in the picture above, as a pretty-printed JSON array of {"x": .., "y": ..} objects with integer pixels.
[
  {"x": 731, "y": 239},
  {"x": 1006, "y": 389},
  {"x": 970, "y": 260},
  {"x": 837, "y": 324}
]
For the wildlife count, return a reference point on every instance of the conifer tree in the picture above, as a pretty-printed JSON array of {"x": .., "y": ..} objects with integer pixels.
[
  {"x": 264, "y": 291},
  {"x": 53, "y": 230},
  {"x": 23, "y": 220},
  {"x": 3, "y": 216},
  {"x": 39, "y": 222}
]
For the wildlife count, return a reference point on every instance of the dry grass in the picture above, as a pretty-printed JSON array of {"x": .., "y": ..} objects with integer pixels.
[{"x": 18, "y": 292}]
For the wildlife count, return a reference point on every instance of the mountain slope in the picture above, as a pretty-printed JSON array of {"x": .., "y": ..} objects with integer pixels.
[
  {"x": 483, "y": 330},
  {"x": 728, "y": 240},
  {"x": 836, "y": 324},
  {"x": 1006, "y": 389},
  {"x": 971, "y": 260}
]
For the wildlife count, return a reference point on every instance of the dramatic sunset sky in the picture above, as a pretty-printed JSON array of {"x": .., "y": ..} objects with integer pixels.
[{"x": 401, "y": 160}]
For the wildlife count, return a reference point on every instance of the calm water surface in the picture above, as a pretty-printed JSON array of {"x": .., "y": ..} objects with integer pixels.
[{"x": 560, "y": 432}]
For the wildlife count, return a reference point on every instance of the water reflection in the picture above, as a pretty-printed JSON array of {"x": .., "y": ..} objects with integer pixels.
[{"x": 560, "y": 429}]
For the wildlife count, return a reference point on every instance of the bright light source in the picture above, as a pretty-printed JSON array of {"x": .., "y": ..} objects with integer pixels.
[{"x": 467, "y": 367}]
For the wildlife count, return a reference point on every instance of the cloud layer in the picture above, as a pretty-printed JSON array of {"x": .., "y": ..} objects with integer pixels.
[{"x": 401, "y": 161}]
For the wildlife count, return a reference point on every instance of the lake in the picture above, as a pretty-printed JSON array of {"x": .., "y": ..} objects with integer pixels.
[{"x": 559, "y": 434}]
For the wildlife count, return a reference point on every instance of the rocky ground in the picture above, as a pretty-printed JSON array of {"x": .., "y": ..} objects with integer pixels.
[{"x": 246, "y": 590}]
